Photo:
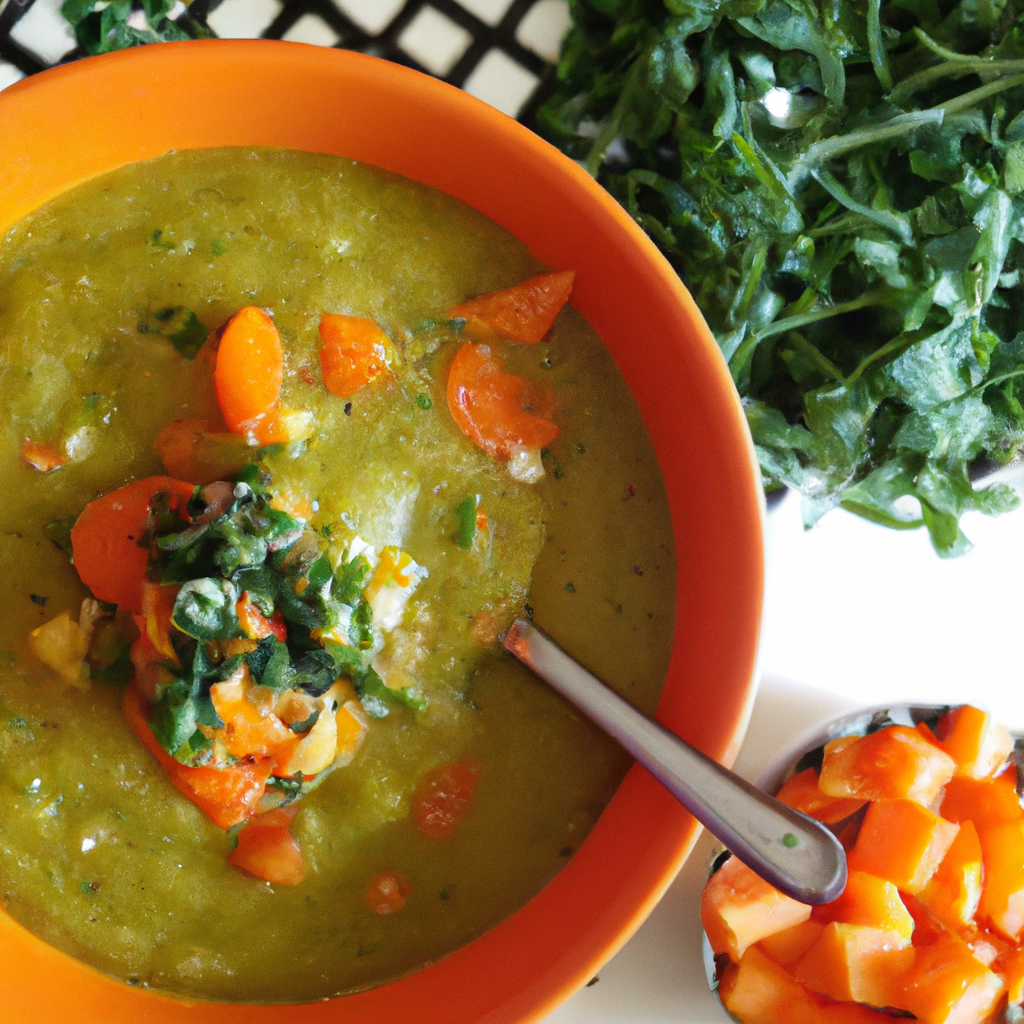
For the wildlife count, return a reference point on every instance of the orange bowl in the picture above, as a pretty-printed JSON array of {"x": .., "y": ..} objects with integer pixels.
[{"x": 72, "y": 123}]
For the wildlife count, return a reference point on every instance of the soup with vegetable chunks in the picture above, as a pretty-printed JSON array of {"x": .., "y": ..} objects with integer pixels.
[{"x": 313, "y": 435}]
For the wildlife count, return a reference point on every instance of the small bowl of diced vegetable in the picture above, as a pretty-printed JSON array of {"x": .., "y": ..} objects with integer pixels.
[{"x": 926, "y": 802}]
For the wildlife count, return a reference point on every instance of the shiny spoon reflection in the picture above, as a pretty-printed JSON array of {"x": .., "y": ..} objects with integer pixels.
[{"x": 794, "y": 853}]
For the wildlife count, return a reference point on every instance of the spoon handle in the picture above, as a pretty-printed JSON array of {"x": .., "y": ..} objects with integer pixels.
[{"x": 794, "y": 853}]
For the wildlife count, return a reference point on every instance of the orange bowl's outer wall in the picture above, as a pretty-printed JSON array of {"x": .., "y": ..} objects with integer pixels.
[{"x": 67, "y": 125}]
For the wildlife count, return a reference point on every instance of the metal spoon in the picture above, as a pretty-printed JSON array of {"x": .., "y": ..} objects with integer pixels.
[{"x": 793, "y": 852}]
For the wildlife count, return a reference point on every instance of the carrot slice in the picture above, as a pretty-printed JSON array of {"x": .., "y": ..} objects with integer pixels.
[
  {"x": 105, "y": 539},
  {"x": 975, "y": 740},
  {"x": 248, "y": 377},
  {"x": 443, "y": 798},
  {"x": 803, "y": 793},
  {"x": 739, "y": 908},
  {"x": 267, "y": 849},
  {"x": 895, "y": 762},
  {"x": 498, "y": 411},
  {"x": 525, "y": 312},
  {"x": 41, "y": 456},
  {"x": 226, "y": 795},
  {"x": 354, "y": 353},
  {"x": 902, "y": 842}
]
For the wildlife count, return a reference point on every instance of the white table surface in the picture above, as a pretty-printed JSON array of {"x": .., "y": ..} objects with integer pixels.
[{"x": 855, "y": 615}]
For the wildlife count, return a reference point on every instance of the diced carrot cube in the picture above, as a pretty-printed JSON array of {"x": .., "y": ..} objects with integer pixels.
[
  {"x": 758, "y": 991},
  {"x": 802, "y": 792},
  {"x": 947, "y": 984},
  {"x": 902, "y": 842},
  {"x": 787, "y": 946},
  {"x": 953, "y": 892},
  {"x": 1002, "y": 891},
  {"x": 869, "y": 901},
  {"x": 853, "y": 962},
  {"x": 267, "y": 849},
  {"x": 975, "y": 740},
  {"x": 738, "y": 908},
  {"x": 896, "y": 762}
]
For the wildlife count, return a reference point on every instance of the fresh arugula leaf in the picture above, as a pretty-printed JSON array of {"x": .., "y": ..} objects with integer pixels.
[{"x": 846, "y": 204}]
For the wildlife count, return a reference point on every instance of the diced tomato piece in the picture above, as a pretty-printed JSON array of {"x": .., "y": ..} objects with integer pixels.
[
  {"x": 248, "y": 377},
  {"x": 739, "y": 908},
  {"x": 758, "y": 991},
  {"x": 896, "y": 762},
  {"x": 946, "y": 984},
  {"x": 355, "y": 353},
  {"x": 954, "y": 891},
  {"x": 977, "y": 743},
  {"x": 387, "y": 892},
  {"x": 869, "y": 901},
  {"x": 525, "y": 312},
  {"x": 986, "y": 802},
  {"x": 443, "y": 798},
  {"x": 853, "y": 962},
  {"x": 903, "y": 842},
  {"x": 498, "y": 411},
  {"x": 1002, "y": 891},
  {"x": 41, "y": 456},
  {"x": 802, "y": 792},
  {"x": 255, "y": 625},
  {"x": 267, "y": 849},
  {"x": 105, "y": 539}
]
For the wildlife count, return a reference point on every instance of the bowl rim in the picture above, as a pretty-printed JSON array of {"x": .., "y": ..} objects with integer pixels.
[{"x": 73, "y": 122}]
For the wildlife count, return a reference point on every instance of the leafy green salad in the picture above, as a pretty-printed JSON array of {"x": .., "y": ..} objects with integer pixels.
[{"x": 840, "y": 184}]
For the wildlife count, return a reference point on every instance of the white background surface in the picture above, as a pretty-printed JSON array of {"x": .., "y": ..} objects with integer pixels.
[{"x": 855, "y": 615}]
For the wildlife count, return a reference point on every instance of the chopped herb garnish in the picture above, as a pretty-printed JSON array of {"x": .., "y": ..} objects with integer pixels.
[
  {"x": 465, "y": 521},
  {"x": 157, "y": 241},
  {"x": 180, "y": 326},
  {"x": 253, "y": 556},
  {"x": 39, "y": 599},
  {"x": 218, "y": 248},
  {"x": 424, "y": 401}
]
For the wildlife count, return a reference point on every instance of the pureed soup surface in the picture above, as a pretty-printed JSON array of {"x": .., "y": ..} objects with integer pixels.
[{"x": 99, "y": 854}]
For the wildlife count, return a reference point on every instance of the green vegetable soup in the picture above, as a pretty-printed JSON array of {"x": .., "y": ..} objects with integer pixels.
[{"x": 107, "y": 298}]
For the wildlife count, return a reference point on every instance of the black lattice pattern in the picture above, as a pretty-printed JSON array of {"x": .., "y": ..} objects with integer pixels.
[{"x": 499, "y": 50}]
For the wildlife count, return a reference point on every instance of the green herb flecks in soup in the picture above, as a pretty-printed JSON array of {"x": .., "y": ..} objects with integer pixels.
[{"x": 313, "y": 441}]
